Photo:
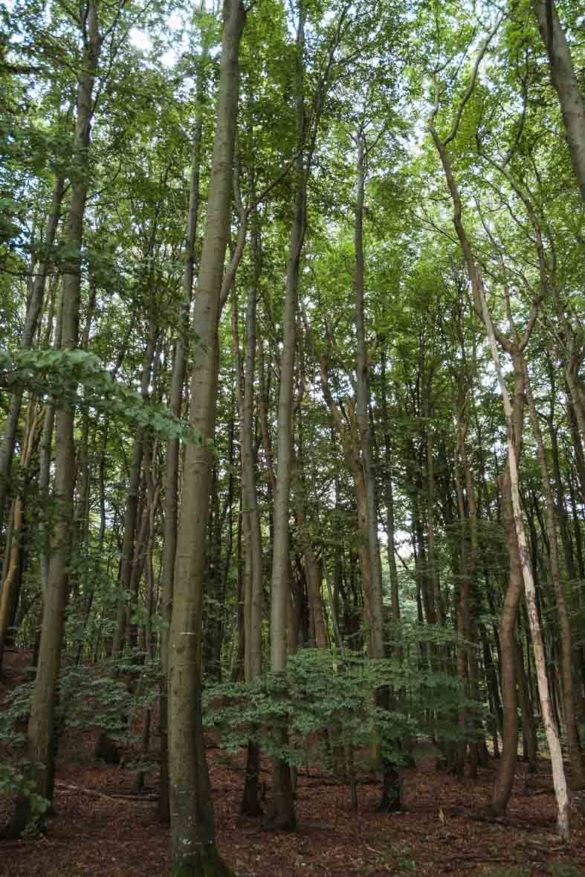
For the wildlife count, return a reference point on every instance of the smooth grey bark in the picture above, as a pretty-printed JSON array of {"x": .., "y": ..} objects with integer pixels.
[
  {"x": 245, "y": 371},
  {"x": 388, "y": 491},
  {"x": 250, "y": 511},
  {"x": 392, "y": 787},
  {"x": 194, "y": 853},
  {"x": 568, "y": 693},
  {"x": 171, "y": 479}
]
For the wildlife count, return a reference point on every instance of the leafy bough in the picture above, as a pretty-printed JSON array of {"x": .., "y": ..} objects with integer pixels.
[
  {"x": 78, "y": 378},
  {"x": 328, "y": 707}
]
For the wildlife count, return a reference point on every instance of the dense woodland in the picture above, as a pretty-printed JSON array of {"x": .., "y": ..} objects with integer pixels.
[{"x": 292, "y": 403}]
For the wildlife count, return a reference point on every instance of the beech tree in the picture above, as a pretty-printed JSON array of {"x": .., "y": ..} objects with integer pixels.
[{"x": 191, "y": 809}]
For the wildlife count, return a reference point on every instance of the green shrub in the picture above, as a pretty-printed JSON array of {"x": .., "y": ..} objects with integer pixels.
[{"x": 327, "y": 707}]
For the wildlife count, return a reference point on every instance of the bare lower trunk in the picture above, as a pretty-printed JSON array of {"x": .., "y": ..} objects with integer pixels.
[
  {"x": 250, "y": 516},
  {"x": 194, "y": 853},
  {"x": 131, "y": 511},
  {"x": 388, "y": 494},
  {"x": 507, "y": 637},
  {"x": 171, "y": 484},
  {"x": 374, "y": 598}
]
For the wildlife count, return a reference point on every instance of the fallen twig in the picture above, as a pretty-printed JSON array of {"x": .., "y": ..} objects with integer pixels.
[{"x": 138, "y": 799}]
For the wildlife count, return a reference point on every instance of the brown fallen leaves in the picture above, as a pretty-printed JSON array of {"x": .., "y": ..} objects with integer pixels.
[{"x": 101, "y": 829}]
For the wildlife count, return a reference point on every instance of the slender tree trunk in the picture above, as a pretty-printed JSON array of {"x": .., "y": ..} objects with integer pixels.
[
  {"x": 507, "y": 629},
  {"x": 392, "y": 793},
  {"x": 388, "y": 492},
  {"x": 33, "y": 311},
  {"x": 469, "y": 546},
  {"x": 250, "y": 805},
  {"x": 568, "y": 694},
  {"x": 312, "y": 573},
  {"x": 376, "y": 631},
  {"x": 194, "y": 853},
  {"x": 551, "y": 731},
  {"x": 11, "y": 582},
  {"x": 281, "y": 814},
  {"x": 564, "y": 80},
  {"x": 347, "y": 432},
  {"x": 529, "y": 742},
  {"x": 41, "y": 739},
  {"x": 132, "y": 502},
  {"x": 171, "y": 483}
]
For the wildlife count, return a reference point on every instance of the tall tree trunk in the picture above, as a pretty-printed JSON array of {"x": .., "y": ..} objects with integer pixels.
[
  {"x": 194, "y": 853},
  {"x": 171, "y": 481},
  {"x": 508, "y": 621},
  {"x": 568, "y": 693},
  {"x": 41, "y": 738},
  {"x": 281, "y": 814},
  {"x": 529, "y": 741},
  {"x": 392, "y": 798},
  {"x": 564, "y": 80},
  {"x": 467, "y": 508},
  {"x": 376, "y": 621},
  {"x": 11, "y": 581},
  {"x": 245, "y": 372},
  {"x": 388, "y": 491},
  {"x": 348, "y": 433},
  {"x": 312, "y": 572}
]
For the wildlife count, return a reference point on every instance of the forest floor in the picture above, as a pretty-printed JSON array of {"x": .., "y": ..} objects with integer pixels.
[{"x": 100, "y": 828}]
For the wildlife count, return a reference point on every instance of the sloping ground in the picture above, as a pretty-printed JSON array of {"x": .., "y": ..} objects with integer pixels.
[
  {"x": 97, "y": 833},
  {"x": 444, "y": 832}
]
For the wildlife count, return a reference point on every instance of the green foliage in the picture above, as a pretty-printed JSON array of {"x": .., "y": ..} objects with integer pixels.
[
  {"x": 14, "y": 783},
  {"x": 564, "y": 869},
  {"x": 92, "y": 697},
  {"x": 327, "y": 707},
  {"x": 78, "y": 377},
  {"x": 99, "y": 696},
  {"x": 15, "y": 780}
]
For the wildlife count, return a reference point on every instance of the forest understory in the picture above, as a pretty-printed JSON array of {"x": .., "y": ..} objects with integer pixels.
[{"x": 102, "y": 827}]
